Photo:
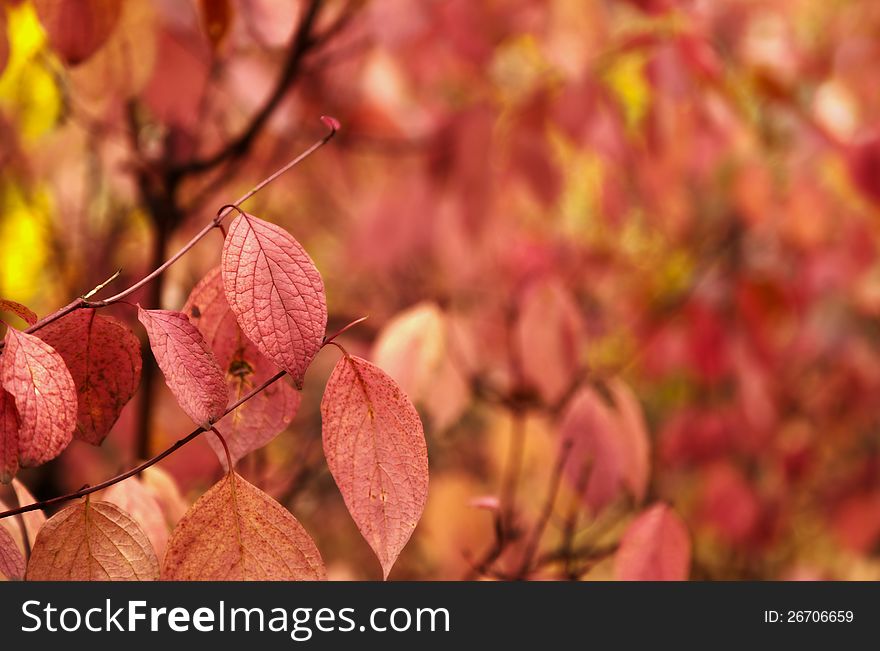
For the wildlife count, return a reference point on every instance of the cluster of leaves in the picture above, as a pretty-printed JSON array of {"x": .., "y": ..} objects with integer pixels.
[
  {"x": 624, "y": 254},
  {"x": 259, "y": 316}
]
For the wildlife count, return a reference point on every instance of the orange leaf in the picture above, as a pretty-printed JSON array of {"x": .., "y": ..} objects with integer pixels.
[
  {"x": 92, "y": 541},
  {"x": 235, "y": 532},
  {"x": 275, "y": 292},
  {"x": 376, "y": 451}
]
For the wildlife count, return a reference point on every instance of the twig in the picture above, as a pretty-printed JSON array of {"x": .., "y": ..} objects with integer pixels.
[
  {"x": 215, "y": 222},
  {"x": 549, "y": 504},
  {"x": 88, "y": 490}
]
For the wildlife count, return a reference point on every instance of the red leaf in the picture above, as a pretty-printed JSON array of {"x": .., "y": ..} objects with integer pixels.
[
  {"x": 376, "y": 451},
  {"x": 610, "y": 441},
  {"x": 264, "y": 416},
  {"x": 275, "y": 292},
  {"x": 104, "y": 359},
  {"x": 11, "y": 561},
  {"x": 24, "y": 313},
  {"x": 44, "y": 395},
  {"x": 549, "y": 334},
  {"x": 77, "y": 28},
  {"x": 655, "y": 547},
  {"x": 189, "y": 367},
  {"x": 235, "y": 532}
]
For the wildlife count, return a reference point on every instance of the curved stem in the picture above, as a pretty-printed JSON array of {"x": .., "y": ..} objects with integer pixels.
[{"x": 88, "y": 490}]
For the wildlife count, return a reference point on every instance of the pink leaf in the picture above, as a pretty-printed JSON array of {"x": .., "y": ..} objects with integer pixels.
[
  {"x": 32, "y": 520},
  {"x": 138, "y": 501},
  {"x": 44, "y": 394},
  {"x": 264, "y": 416},
  {"x": 275, "y": 292},
  {"x": 188, "y": 364},
  {"x": 549, "y": 334},
  {"x": 24, "y": 313},
  {"x": 104, "y": 358},
  {"x": 11, "y": 561},
  {"x": 77, "y": 28},
  {"x": 610, "y": 443},
  {"x": 655, "y": 547},
  {"x": 375, "y": 448}
]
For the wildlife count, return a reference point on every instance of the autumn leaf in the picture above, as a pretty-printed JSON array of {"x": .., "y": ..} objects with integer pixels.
[
  {"x": 77, "y": 28},
  {"x": 275, "y": 292},
  {"x": 92, "y": 541},
  {"x": 216, "y": 18},
  {"x": 655, "y": 547},
  {"x": 376, "y": 451},
  {"x": 11, "y": 560},
  {"x": 21, "y": 311},
  {"x": 104, "y": 358},
  {"x": 549, "y": 334},
  {"x": 235, "y": 532},
  {"x": 609, "y": 443},
  {"x": 414, "y": 348},
  {"x": 45, "y": 398},
  {"x": 22, "y": 527},
  {"x": 187, "y": 363},
  {"x": 133, "y": 497},
  {"x": 260, "y": 419}
]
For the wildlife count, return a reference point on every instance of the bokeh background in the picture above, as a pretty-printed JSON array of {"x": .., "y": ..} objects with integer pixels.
[{"x": 668, "y": 210}]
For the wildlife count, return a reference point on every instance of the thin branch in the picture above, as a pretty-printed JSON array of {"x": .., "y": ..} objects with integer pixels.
[
  {"x": 81, "y": 302},
  {"x": 88, "y": 490},
  {"x": 303, "y": 41}
]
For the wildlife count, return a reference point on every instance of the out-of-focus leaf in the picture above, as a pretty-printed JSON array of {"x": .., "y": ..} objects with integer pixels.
[
  {"x": 216, "y": 17},
  {"x": 655, "y": 547},
  {"x": 24, "y": 313},
  {"x": 609, "y": 442},
  {"x": 77, "y": 28},
  {"x": 549, "y": 334},
  {"x": 45, "y": 397}
]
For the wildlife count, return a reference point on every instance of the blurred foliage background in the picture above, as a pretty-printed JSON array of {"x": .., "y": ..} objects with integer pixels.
[{"x": 670, "y": 206}]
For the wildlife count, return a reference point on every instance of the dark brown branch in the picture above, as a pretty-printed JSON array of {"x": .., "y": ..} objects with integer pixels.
[{"x": 238, "y": 147}]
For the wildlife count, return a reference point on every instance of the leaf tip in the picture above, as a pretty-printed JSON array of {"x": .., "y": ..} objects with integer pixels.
[{"x": 332, "y": 123}]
